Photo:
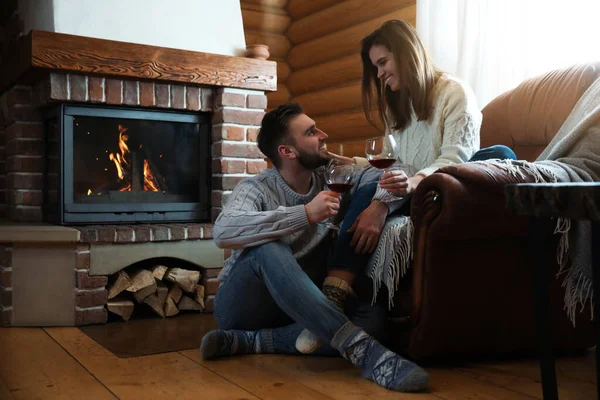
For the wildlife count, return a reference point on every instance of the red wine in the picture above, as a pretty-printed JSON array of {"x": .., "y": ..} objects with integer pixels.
[
  {"x": 340, "y": 187},
  {"x": 382, "y": 163}
]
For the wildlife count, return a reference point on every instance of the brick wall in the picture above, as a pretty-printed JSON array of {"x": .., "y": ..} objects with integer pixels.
[
  {"x": 6, "y": 285},
  {"x": 236, "y": 116},
  {"x": 90, "y": 291}
]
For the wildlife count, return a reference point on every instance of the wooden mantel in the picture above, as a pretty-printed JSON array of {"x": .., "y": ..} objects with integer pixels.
[{"x": 42, "y": 51}]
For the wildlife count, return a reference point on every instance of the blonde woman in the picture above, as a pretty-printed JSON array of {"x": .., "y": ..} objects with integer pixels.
[{"x": 435, "y": 120}]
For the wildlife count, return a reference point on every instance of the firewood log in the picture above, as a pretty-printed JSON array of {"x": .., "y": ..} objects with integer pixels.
[
  {"x": 159, "y": 272},
  {"x": 140, "y": 279},
  {"x": 121, "y": 306},
  {"x": 187, "y": 303},
  {"x": 154, "y": 302},
  {"x": 141, "y": 294},
  {"x": 162, "y": 291},
  {"x": 175, "y": 293},
  {"x": 170, "y": 308},
  {"x": 199, "y": 295},
  {"x": 121, "y": 282},
  {"x": 186, "y": 279},
  {"x": 143, "y": 284}
]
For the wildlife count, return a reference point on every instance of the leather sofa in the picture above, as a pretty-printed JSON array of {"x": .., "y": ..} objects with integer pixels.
[{"x": 470, "y": 289}]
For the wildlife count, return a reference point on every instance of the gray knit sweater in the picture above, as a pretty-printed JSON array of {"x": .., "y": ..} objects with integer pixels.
[{"x": 264, "y": 208}]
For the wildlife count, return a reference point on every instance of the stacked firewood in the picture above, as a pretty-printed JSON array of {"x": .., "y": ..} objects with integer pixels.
[{"x": 165, "y": 290}]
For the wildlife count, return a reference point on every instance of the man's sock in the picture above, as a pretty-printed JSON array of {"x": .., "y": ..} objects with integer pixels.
[
  {"x": 221, "y": 343},
  {"x": 377, "y": 363},
  {"x": 336, "y": 290}
]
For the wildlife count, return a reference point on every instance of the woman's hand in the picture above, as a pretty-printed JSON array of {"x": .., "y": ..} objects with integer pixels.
[
  {"x": 367, "y": 228},
  {"x": 397, "y": 183}
]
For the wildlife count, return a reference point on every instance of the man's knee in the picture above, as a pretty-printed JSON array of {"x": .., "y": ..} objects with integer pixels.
[{"x": 266, "y": 253}]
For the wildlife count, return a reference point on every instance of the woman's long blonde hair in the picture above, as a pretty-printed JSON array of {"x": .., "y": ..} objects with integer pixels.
[{"x": 417, "y": 74}]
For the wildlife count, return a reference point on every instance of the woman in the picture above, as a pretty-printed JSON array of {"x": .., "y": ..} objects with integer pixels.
[{"x": 435, "y": 120}]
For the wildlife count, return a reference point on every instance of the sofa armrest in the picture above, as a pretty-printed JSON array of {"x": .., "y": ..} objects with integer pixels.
[
  {"x": 466, "y": 201},
  {"x": 463, "y": 203}
]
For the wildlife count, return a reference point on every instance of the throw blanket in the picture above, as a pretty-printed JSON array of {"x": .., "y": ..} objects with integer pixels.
[{"x": 573, "y": 155}]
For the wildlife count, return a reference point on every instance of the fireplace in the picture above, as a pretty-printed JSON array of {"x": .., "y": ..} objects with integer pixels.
[
  {"x": 115, "y": 165},
  {"x": 190, "y": 107}
]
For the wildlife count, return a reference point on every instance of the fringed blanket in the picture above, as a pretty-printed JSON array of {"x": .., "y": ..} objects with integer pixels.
[
  {"x": 392, "y": 257},
  {"x": 573, "y": 155}
]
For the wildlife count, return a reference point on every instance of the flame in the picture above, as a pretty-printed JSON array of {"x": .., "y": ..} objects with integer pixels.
[
  {"x": 123, "y": 165},
  {"x": 89, "y": 191},
  {"x": 149, "y": 178}
]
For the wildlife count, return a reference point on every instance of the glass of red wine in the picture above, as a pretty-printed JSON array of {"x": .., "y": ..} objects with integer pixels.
[
  {"x": 340, "y": 179},
  {"x": 381, "y": 151}
]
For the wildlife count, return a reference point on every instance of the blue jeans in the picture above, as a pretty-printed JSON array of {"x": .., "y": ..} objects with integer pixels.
[
  {"x": 268, "y": 289},
  {"x": 345, "y": 258}
]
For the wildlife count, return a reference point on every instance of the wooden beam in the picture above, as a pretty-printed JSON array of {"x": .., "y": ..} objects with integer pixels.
[
  {"x": 264, "y": 9},
  {"x": 58, "y": 52},
  {"x": 341, "y": 16},
  {"x": 281, "y": 96},
  {"x": 301, "y": 8},
  {"x": 331, "y": 101},
  {"x": 333, "y": 73},
  {"x": 283, "y": 70},
  {"x": 278, "y": 44},
  {"x": 346, "y": 126},
  {"x": 266, "y": 3},
  {"x": 344, "y": 42},
  {"x": 265, "y": 21}
]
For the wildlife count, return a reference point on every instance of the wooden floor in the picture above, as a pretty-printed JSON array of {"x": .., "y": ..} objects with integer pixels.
[{"x": 63, "y": 363}]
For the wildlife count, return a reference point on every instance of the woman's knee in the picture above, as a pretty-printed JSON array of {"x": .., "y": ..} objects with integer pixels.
[
  {"x": 503, "y": 152},
  {"x": 494, "y": 152}
]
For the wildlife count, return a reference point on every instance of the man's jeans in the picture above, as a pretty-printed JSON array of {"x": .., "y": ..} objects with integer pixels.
[{"x": 268, "y": 289}]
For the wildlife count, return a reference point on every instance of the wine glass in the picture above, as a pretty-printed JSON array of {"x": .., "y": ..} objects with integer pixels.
[
  {"x": 381, "y": 151},
  {"x": 340, "y": 179}
]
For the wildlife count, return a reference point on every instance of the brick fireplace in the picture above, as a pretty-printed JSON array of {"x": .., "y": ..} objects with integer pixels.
[{"x": 57, "y": 275}]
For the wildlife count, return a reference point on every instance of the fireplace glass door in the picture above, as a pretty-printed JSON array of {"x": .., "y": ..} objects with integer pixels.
[{"x": 123, "y": 165}]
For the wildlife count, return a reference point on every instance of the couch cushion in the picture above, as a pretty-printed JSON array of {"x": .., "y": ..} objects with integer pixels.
[{"x": 527, "y": 117}]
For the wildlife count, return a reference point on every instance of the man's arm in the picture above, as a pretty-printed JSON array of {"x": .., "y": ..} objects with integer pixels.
[{"x": 243, "y": 222}]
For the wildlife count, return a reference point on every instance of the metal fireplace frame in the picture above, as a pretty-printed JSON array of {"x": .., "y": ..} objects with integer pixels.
[{"x": 66, "y": 211}]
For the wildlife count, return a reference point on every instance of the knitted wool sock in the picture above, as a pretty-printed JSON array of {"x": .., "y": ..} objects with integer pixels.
[
  {"x": 220, "y": 343},
  {"x": 336, "y": 290},
  {"x": 381, "y": 365}
]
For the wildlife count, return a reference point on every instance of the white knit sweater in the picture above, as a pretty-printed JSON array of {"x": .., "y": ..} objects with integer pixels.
[{"x": 449, "y": 136}]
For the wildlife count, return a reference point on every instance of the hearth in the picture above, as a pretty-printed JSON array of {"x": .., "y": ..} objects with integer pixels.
[{"x": 116, "y": 165}]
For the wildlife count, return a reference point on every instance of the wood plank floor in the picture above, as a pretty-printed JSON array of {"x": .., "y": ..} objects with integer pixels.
[{"x": 64, "y": 363}]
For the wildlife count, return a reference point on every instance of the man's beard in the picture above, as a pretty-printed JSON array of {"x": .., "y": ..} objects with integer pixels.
[{"x": 311, "y": 161}]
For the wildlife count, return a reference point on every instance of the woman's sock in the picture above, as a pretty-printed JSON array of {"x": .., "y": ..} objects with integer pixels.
[
  {"x": 336, "y": 290},
  {"x": 377, "y": 363},
  {"x": 221, "y": 343}
]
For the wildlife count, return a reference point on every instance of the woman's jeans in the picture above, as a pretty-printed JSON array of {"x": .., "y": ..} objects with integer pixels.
[{"x": 345, "y": 258}]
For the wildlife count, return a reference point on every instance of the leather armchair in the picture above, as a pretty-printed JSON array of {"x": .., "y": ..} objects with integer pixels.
[{"x": 471, "y": 288}]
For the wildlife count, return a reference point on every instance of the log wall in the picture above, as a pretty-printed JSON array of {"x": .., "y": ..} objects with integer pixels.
[
  {"x": 266, "y": 22},
  {"x": 324, "y": 57}
]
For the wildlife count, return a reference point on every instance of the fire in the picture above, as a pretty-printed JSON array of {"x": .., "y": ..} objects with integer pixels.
[
  {"x": 124, "y": 168},
  {"x": 89, "y": 191},
  {"x": 149, "y": 185}
]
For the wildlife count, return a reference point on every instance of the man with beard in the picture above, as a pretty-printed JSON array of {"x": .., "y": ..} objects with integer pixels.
[{"x": 269, "y": 286}]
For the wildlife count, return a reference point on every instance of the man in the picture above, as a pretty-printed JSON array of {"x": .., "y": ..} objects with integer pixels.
[{"x": 268, "y": 293}]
